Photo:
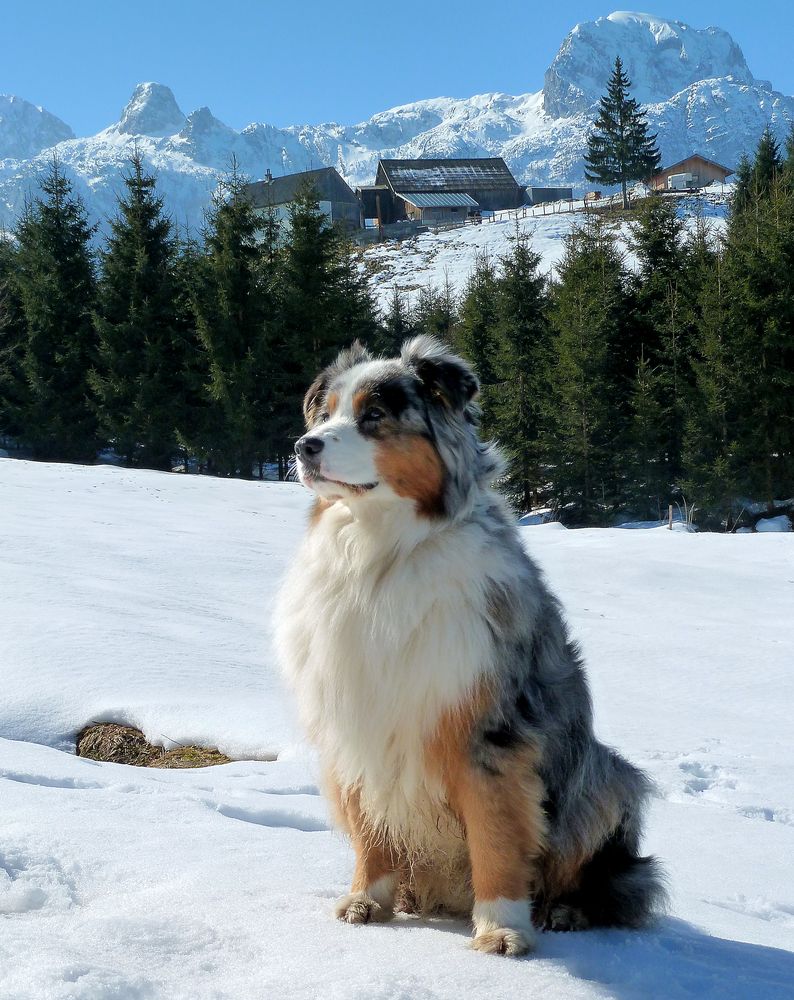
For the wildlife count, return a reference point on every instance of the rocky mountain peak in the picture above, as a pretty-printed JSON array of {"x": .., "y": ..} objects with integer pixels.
[
  {"x": 26, "y": 129},
  {"x": 152, "y": 110},
  {"x": 660, "y": 55}
]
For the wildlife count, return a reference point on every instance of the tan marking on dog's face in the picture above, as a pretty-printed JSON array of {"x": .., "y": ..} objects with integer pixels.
[
  {"x": 361, "y": 401},
  {"x": 501, "y": 812},
  {"x": 367, "y": 399},
  {"x": 331, "y": 403},
  {"x": 412, "y": 467}
]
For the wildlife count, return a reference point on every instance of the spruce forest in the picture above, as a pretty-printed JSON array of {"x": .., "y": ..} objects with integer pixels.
[{"x": 613, "y": 391}]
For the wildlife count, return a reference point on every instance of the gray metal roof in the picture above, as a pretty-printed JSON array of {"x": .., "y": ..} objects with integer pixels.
[
  {"x": 446, "y": 175},
  {"x": 281, "y": 190},
  {"x": 438, "y": 199}
]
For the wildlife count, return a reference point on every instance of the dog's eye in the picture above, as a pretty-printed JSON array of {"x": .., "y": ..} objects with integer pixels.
[
  {"x": 325, "y": 415},
  {"x": 374, "y": 413}
]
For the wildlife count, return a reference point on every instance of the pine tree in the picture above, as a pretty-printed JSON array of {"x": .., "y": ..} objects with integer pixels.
[
  {"x": 308, "y": 339},
  {"x": 743, "y": 185},
  {"x": 57, "y": 293},
  {"x": 708, "y": 466},
  {"x": 197, "y": 416},
  {"x": 141, "y": 337},
  {"x": 351, "y": 302},
  {"x": 768, "y": 165},
  {"x": 235, "y": 321},
  {"x": 759, "y": 291},
  {"x": 756, "y": 179},
  {"x": 788, "y": 162},
  {"x": 326, "y": 304},
  {"x": 586, "y": 422},
  {"x": 663, "y": 332},
  {"x": 397, "y": 324},
  {"x": 645, "y": 469},
  {"x": 523, "y": 366},
  {"x": 13, "y": 386},
  {"x": 477, "y": 334},
  {"x": 619, "y": 149},
  {"x": 310, "y": 289},
  {"x": 436, "y": 311}
]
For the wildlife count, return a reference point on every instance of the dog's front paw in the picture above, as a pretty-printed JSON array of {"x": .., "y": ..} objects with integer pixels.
[
  {"x": 361, "y": 908},
  {"x": 505, "y": 941},
  {"x": 503, "y": 927}
]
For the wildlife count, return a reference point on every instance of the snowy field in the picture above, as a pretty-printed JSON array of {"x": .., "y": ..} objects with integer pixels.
[
  {"x": 144, "y": 598},
  {"x": 433, "y": 258}
]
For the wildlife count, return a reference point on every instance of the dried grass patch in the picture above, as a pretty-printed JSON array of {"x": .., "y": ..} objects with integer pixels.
[{"x": 108, "y": 741}]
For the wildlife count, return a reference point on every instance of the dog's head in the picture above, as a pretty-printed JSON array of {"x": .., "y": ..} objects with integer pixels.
[{"x": 393, "y": 429}]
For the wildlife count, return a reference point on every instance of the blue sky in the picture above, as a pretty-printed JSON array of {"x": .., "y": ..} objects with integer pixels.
[{"x": 298, "y": 61}]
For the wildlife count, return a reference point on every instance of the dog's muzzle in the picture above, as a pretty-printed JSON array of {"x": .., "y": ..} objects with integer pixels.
[{"x": 308, "y": 449}]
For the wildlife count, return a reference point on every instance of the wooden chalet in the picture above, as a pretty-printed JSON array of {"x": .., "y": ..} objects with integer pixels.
[
  {"x": 694, "y": 172},
  {"x": 439, "y": 190}
]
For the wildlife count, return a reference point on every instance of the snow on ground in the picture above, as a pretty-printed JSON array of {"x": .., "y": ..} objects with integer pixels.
[
  {"x": 144, "y": 597},
  {"x": 431, "y": 258}
]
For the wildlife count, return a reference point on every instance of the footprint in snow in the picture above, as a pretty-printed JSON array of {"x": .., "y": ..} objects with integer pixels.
[
  {"x": 784, "y": 816},
  {"x": 48, "y": 782},
  {"x": 759, "y": 907},
  {"x": 704, "y": 778},
  {"x": 273, "y": 818},
  {"x": 296, "y": 790}
]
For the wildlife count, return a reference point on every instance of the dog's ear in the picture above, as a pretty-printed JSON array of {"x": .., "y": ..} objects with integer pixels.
[
  {"x": 314, "y": 397},
  {"x": 356, "y": 354},
  {"x": 446, "y": 377},
  {"x": 312, "y": 402}
]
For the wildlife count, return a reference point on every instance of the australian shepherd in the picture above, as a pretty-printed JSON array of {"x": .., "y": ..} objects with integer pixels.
[{"x": 435, "y": 674}]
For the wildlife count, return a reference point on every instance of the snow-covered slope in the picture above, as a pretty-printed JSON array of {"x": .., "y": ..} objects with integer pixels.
[
  {"x": 144, "y": 597},
  {"x": 448, "y": 257},
  {"x": 700, "y": 92}
]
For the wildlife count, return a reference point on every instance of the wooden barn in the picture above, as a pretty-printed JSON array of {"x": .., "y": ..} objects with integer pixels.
[
  {"x": 336, "y": 199},
  {"x": 694, "y": 172},
  {"x": 414, "y": 189}
]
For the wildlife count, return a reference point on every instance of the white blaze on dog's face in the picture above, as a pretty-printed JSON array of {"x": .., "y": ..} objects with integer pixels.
[{"x": 370, "y": 435}]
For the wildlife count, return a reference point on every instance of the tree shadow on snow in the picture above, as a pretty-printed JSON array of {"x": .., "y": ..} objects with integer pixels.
[{"x": 675, "y": 961}]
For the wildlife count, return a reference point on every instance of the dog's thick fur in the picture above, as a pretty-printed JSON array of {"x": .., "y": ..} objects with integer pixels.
[{"x": 436, "y": 677}]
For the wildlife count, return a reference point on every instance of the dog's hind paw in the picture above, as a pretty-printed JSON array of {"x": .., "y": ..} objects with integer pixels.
[
  {"x": 566, "y": 918},
  {"x": 361, "y": 908},
  {"x": 505, "y": 941}
]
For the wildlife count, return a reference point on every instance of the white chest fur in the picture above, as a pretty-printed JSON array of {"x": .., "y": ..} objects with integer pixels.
[{"x": 378, "y": 637}]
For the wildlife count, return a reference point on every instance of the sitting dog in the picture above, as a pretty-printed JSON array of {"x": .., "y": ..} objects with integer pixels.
[{"x": 435, "y": 675}]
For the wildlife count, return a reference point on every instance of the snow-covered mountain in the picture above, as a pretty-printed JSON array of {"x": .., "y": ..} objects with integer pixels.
[
  {"x": 661, "y": 57},
  {"x": 700, "y": 94},
  {"x": 26, "y": 129}
]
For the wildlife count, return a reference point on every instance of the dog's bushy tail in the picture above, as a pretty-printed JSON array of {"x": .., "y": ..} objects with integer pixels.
[{"x": 620, "y": 888}]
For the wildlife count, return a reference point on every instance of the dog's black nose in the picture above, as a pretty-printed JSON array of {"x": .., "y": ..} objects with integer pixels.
[{"x": 308, "y": 448}]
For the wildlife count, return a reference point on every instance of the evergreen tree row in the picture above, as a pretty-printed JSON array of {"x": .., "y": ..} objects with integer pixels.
[
  {"x": 613, "y": 390},
  {"x": 618, "y": 391},
  {"x": 165, "y": 349}
]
